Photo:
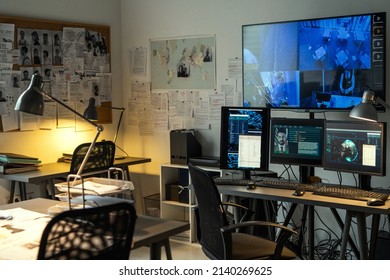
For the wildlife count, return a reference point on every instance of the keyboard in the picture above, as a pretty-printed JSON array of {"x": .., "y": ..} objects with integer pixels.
[
  {"x": 286, "y": 185},
  {"x": 349, "y": 193},
  {"x": 234, "y": 182},
  {"x": 269, "y": 183}
]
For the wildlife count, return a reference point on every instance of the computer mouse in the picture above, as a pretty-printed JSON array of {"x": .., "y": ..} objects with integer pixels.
[
  {"x": 375, "y": 202},
  {"x": 250, "y": 186},
  {"x": 299, "y": 192}
]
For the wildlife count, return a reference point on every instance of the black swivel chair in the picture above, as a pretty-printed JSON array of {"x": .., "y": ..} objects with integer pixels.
[
  {"x": 221, "y": 240},
  {"x": 100, "y": 233}
]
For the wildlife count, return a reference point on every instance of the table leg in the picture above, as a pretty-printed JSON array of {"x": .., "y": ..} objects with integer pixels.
[
  {"x": 155, "y": 251},
  {"x": 341, "y": 224},
  {"x": 374, "y": 235},
  {"x": 345, "y": 235},
  {"x": 311, "y": 231},
  {"x": 362, "y": 230},
  {"x": 12, "y": 192},
  {"x": 23, "y": 191}
]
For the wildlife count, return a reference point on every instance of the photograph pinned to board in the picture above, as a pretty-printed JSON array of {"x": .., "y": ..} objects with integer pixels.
[{"x": 184, "y": 63}]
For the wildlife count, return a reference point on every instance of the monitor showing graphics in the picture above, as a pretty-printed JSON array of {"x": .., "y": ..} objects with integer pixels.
[
  {"x": 314, "y": 64},
  {"x": 356, "y": 147}
]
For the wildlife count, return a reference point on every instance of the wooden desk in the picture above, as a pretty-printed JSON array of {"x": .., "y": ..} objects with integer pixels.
[
  {"x": 149, "y": 231},
  {"x": 353, "y": 208},
  {"x": 50, "y": 171}
]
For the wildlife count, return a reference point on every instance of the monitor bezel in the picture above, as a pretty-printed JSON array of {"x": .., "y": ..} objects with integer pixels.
[
  {"x": 264, "y": 163},
  {"x": 359, "y": 126},
  {"x": 378, "y": 107},
  {"x": 276, "y": 158}
]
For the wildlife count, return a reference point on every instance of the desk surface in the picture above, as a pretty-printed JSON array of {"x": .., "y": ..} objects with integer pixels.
[
  {"x": 148, "y": 229},
  {"x": 61, "y": 169},
  {"x": 308, "y": 199}
]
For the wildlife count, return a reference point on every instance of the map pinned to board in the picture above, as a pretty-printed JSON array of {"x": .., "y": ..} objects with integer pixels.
[{"x": 187, "y": 63}]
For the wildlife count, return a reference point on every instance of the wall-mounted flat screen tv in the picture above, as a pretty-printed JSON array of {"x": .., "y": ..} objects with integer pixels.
[{"x": 314, "y": 64}]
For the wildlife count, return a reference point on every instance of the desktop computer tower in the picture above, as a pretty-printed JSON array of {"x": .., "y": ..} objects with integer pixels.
[{"x": 184, "y": 145}]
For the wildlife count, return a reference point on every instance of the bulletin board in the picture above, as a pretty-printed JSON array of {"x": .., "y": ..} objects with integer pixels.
[{"x": 105, "y": 116}]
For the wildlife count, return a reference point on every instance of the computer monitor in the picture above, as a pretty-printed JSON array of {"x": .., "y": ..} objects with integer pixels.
[
  {"x": 297, "y": 141},
  {"x": 314, "y": 64},
  {"x": 244, "y": 139},
  {"x": 355, "y": 146}
]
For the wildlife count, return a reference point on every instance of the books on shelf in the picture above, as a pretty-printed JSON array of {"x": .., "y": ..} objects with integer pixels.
[{"x": 11, "y": 163}]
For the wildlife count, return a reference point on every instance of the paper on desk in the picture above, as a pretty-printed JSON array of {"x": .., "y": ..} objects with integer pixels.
[
  {"x": 98, "y": 186},
  {"x": 20, "y": 237}
]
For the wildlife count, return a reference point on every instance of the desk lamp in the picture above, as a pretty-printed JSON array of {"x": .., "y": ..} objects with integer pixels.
[
  {"x": 365, "y": 110},
  {"x": 31, "y": 101},
  {"x": 92, "y": 114}
]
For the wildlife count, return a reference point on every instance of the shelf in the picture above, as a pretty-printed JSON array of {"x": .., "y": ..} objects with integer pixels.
[
  {"x": 176, "y": 174},
  {"x": 177, "y": 203}
]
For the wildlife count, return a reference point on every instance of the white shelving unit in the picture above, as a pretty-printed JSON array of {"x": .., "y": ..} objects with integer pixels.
[{"x": 169, "y": 209}]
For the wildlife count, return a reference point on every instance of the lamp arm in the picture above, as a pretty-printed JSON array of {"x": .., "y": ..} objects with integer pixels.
[
  {"x": 99, "y": 128},
  {"x": 85, "y": 160},
  {"x": 379, "y": 100},
  {"x": 120, "y": 119},
  {"x": 69, "y": 108}
]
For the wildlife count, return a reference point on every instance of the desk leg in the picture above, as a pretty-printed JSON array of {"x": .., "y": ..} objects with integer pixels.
[
  {"x": 289, "y": 214},
  {"x": 341, "y": 224},
  {"x": 374, "y": 235},
  {"x": 362, "y": 230},
  {"x": 49, "y": 185},
  {"x": 311, "y": 232},
  {"x": 155, "y": 251},
  {"x": 23, "y": 191},
  {"x": 345, "y": 235}
]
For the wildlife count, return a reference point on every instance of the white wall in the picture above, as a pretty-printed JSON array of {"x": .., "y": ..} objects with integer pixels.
[{"x": 144, "y": 20}]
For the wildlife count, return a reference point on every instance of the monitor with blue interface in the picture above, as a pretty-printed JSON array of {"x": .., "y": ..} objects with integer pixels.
[
  {"x": 314, "y": 64},
  {"x": 297, "y": 141},
  {"x": 355, "y": 147},
  {"x": 244, "y": 139}
]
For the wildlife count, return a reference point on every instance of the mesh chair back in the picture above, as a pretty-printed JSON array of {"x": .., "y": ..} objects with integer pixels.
[
  {"x": 211, "y": 216},
  {"x": 101, "y": 158},
  {"x": 100, "y": 233}
]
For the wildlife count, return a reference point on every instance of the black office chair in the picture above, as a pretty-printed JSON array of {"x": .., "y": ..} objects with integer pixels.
[
  {"x": 221, "y": 240},
  {"x": 100, "y": 233},
  {"x": 101, "y": 158}
]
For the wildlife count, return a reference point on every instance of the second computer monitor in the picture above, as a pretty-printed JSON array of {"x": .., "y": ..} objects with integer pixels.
[
  {"x": 244, "y": 139},
  {"x": 355, "y": 146},
  {"x": 297, "y": 141}
]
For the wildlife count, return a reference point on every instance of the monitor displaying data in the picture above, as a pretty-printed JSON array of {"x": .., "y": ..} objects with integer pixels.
[
  {"x": 356, "y": 147},
  {"x": 244, "y": 138},
  {"x": 297, "y": 141}
]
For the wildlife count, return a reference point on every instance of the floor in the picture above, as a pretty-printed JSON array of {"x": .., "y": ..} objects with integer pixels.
[{"x": 181, "y": 250}]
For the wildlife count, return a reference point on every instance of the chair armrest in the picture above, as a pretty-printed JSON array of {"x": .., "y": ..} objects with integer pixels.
[
  {"x": 285, "y": 233},
  {"x": 233, "y": 227},
  {"x": 247, "y": 212}
]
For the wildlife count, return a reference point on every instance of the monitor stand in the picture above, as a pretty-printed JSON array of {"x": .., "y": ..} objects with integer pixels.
[
  {"x": 304, "y": 173},
  {"x": 365, "y": 182},
  {"x": 246, "y": 174}
]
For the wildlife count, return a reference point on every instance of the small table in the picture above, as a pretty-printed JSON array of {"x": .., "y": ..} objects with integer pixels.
[{"x": 149, "y": 231}]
